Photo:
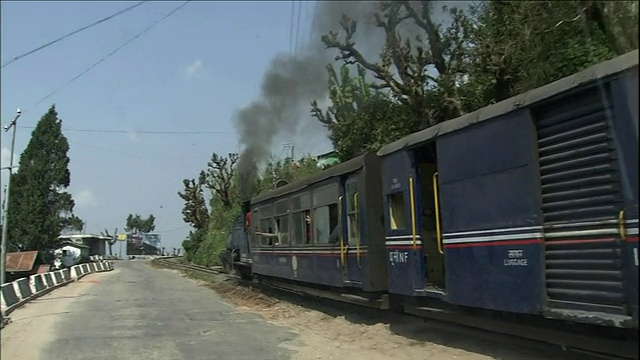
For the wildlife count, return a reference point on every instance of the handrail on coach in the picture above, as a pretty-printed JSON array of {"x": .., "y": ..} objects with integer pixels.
[
  {"x": 342, "y": 247},
  {"x": 623, "y": 234},
  {"x": 355, "y": 203},
  {"x": 412, "y": 201},
  {"x": 437, "y": 205}
]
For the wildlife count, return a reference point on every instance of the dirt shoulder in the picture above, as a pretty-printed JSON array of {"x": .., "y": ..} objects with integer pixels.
[{"x": 340, "y": 332}]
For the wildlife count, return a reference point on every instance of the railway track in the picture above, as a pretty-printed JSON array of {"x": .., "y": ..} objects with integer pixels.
[{"x": 587, "y": 347}]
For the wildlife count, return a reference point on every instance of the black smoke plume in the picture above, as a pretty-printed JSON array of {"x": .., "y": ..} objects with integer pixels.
[
  {"x": 289, "y": 86},
  {"x": 292, "y": 82}
]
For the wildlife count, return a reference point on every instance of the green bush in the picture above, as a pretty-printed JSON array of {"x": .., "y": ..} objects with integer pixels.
[
  {"x": 214, "y": 242},
  {"x": 192, "y": 244}
]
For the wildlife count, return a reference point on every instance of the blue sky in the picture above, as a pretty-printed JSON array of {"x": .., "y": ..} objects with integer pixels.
[{"x": 192, "y": 72}]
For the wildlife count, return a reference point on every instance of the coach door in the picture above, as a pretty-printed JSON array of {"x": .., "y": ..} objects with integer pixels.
[
  {"x": 351, "y": 249},
  {"x": 427, "y": 195}
]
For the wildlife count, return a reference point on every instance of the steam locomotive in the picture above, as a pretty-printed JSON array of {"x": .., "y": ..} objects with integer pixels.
[{"x": 528, "y": 206}]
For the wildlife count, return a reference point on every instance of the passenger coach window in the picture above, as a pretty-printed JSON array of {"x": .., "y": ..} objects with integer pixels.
[
  {"x": 300, "y": 228},
  {"x": 325, "y": 219},
  {"x": 297, "y": 228},
  {"x": 397, "y": 214},
  {"x": 282, "y": 221},
  {"x": 266, "y": 225},
  {"x": 282, "y": 226},
  {"x": 326, "y": 222},
  {"x": 301, "y": 202}
]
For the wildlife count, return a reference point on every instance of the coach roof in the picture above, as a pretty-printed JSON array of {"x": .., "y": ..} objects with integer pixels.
[
  {"x": 337, "y": 170},
  {"x": 604, "y": 69}
]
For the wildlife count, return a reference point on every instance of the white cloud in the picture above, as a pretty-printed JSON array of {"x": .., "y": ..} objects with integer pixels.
[
  {"x": 85, "y": 199},
  {"x": 195, "y": 69}
]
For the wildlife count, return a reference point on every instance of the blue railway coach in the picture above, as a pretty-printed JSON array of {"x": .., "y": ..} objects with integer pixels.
[
  {"x": 526, "y": 206},
  {"x": 325, "y": 231}
]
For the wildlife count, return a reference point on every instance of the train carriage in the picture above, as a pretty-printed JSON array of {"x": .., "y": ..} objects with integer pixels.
[
  {"x": 526, "y": 206},
  {"x": 325, "y": 231}
]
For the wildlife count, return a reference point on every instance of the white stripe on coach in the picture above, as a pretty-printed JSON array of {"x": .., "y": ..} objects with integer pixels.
[
  {"x": 535, "y": 235},
  {"x": 402, "y": 242},
  {"x": 564, "y": 234},
  {"x": 492, "y": 231},
  {"x": 396, "y": 237},
  {"x": 554, "y": 226}
]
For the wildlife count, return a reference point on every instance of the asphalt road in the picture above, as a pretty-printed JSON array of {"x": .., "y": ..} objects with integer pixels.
[{"x": 137, "y": 312}]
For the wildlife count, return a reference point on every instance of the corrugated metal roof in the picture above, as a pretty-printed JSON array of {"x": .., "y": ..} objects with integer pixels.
[
  {"x": 71, "y": 243},
  {"x": 338, "y": 170},
  {"x": 85, "y": 236},
  {"x": 21, "y": 261}
]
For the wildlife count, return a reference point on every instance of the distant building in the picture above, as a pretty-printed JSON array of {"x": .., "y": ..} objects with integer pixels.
[
  {"x": 69, "y": 253},
  {"x": 144, "y": 244},
  {"x": 328, "y": 159},
  {"x": 97, "y": 244}
]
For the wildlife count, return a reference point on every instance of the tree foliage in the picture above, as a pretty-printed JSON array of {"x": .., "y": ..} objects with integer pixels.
[
  {"x": 220, "y": 175},
  {"x": 73, "y": 223},
  {"x": 361, "y": 118},
  {"x": 195, "y": 210},
  {"x": 191, "y": 244},
  {"x": 439, "y": 70},
  {"x": 205, "y": 241},
  {"x": 39, "y": 208},
  {"x": 405, "y": 63},
  {"x": 518, "y": 46},
  {"x": 287, "y": 170},
  {"x": 137, "y": 224}
]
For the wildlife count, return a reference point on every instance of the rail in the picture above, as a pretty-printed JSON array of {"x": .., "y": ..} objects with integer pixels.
[{"x": 172, "y": 263}]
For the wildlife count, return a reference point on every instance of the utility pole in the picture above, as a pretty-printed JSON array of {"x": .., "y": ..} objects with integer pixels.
[
  {"x": 4, "y": 194},
  {"x": 290, "y": 146},
  {"x": 4, "y": 200},
  {"x": 5, "y": 227}
]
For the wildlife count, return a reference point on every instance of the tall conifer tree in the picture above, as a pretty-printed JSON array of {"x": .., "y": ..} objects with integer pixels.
[{"x": 39, "y": 206}]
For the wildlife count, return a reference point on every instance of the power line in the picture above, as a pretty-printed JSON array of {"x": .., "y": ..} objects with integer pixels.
[
  {"x": 313, "y": 22},
  {"x": 112, "y": 53},
  {"x": 172, "y": 230},
  {"x": 16, "y": 58},
  {"x": 293, "y": 11},
  {"x": 295, "y": 52},
  {"x": 105, "y": 131}
]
